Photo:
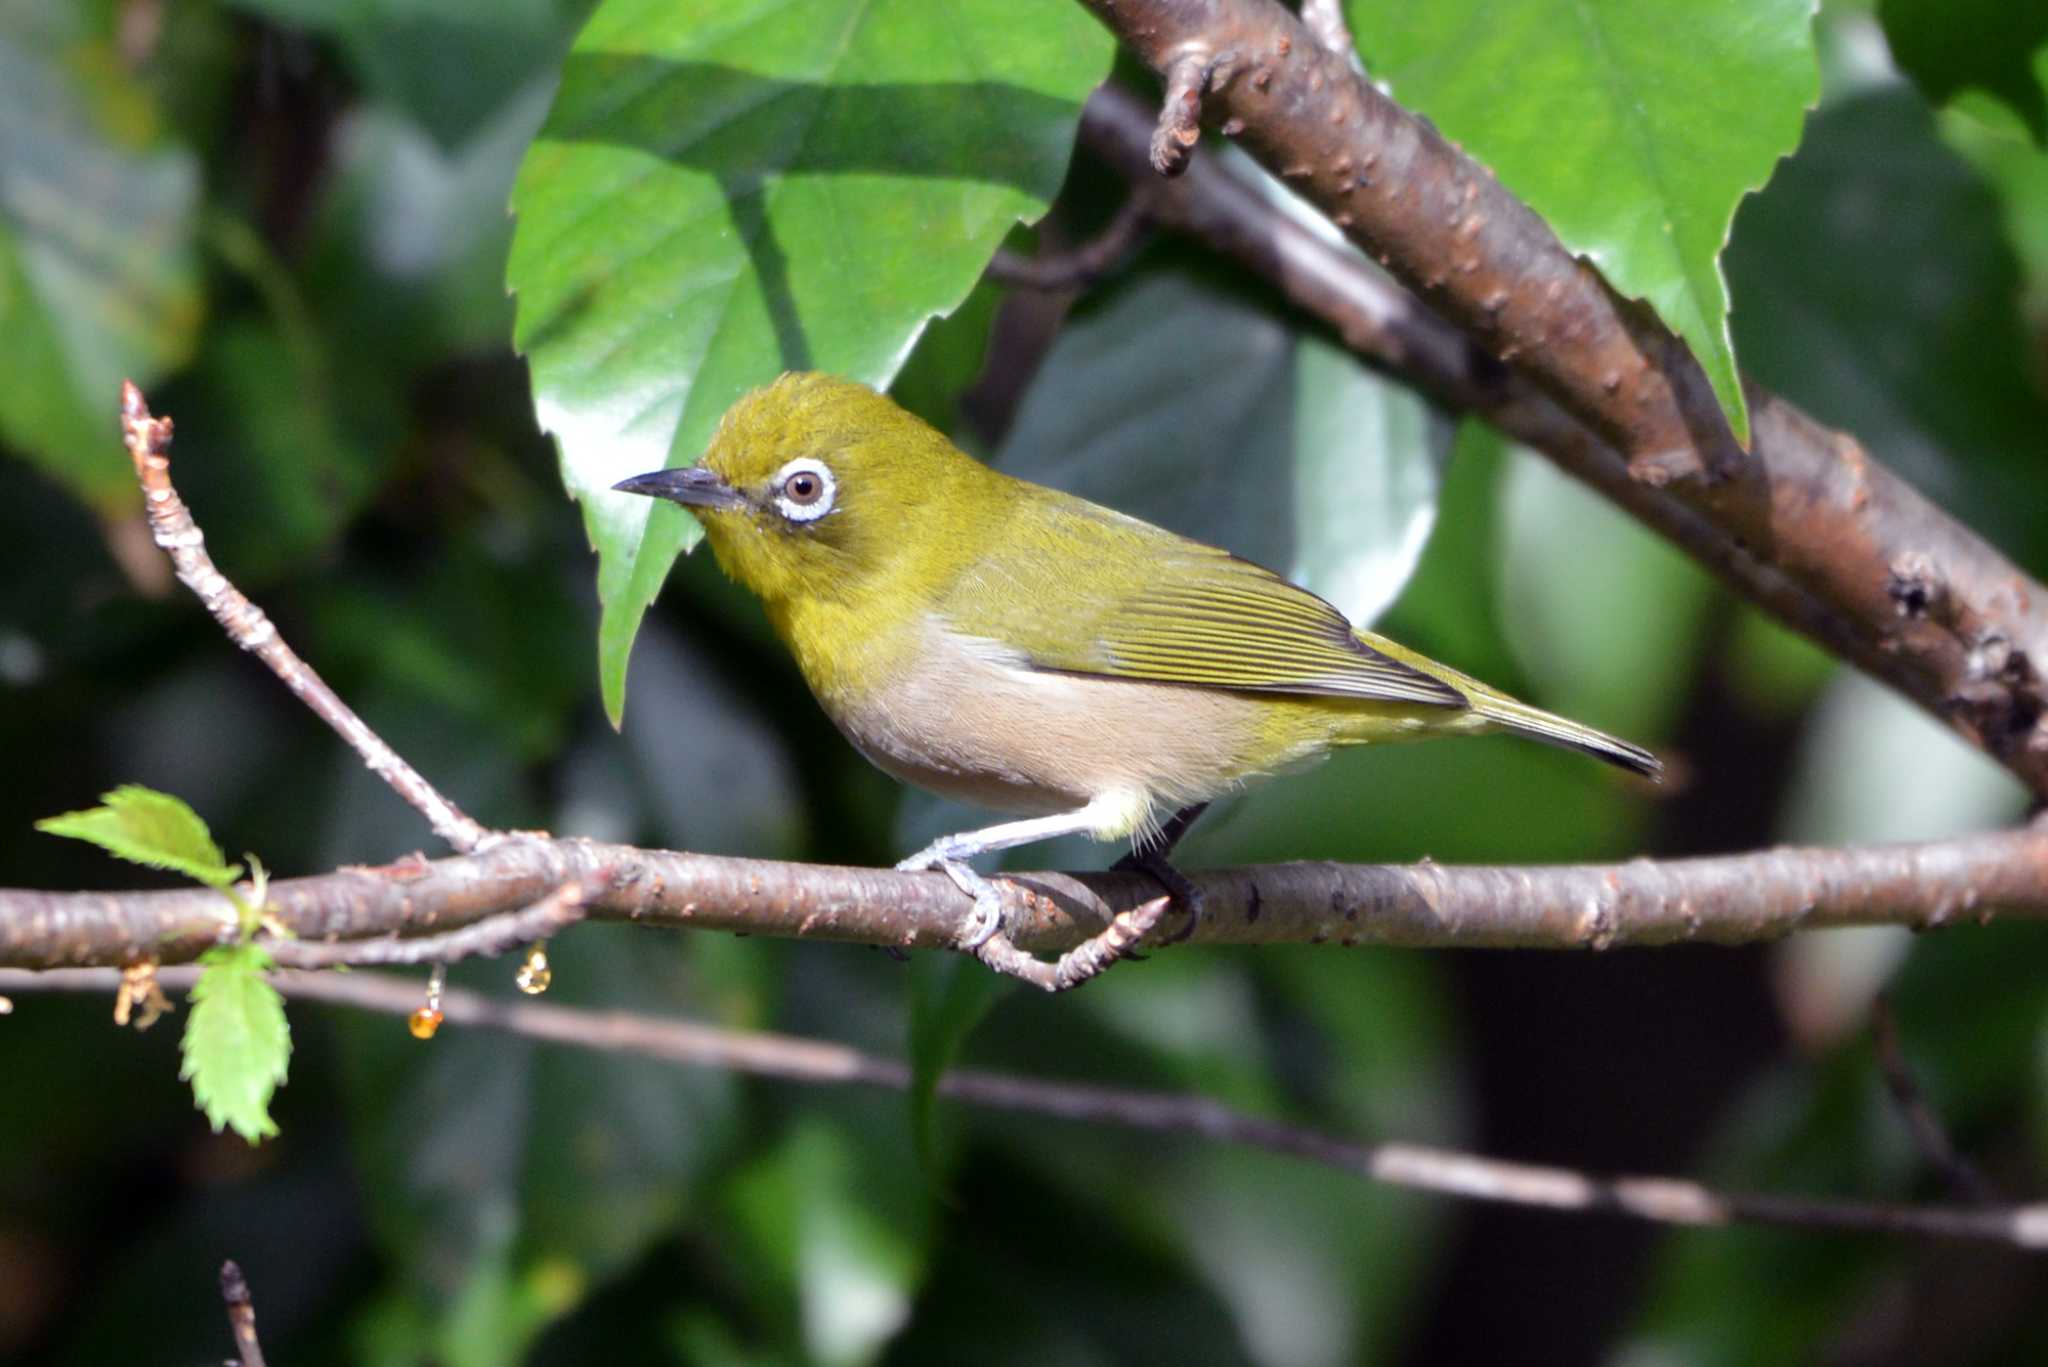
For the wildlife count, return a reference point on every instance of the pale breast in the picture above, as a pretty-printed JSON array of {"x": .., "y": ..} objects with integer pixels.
[{"x": 973, "y": 723}]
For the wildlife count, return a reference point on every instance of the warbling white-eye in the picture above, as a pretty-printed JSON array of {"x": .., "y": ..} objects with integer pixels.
[{"x": 1025, "y": 650}]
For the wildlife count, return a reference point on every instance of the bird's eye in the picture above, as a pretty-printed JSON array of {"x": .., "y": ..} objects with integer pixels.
[{"x": 804, "y": 490}]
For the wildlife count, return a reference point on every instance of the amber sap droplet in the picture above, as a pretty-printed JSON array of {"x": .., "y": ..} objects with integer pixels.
[
  {"x": 534, "y": 975},
  {"x": 424, "y": 1022}
]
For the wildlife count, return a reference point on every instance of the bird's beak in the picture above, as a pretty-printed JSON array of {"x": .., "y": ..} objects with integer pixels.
[{"x": 693, "y": 485}]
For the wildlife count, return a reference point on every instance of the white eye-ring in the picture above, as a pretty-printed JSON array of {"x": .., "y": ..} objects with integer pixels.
[{"x": 804, "y": 489}]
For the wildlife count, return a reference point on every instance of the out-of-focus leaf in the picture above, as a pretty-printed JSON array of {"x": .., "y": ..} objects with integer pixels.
[
  {"x": 1633, "y": 129},
  {"x": 1183, "y": 405},
  {"x": 1604, "y": 614},
  {"x": 1764, "y": 1298},
  {"x": 98, "y": 279},
  {"x": 147, "y": 827},
  {"x": 723, "y": 192},
  {"x": 447, "y": 63},
  {"x": 290, "y": 458},
  {"x": 813, "y": 1228},
  {"x": 412, "y": 237},
  {"x": 716, "y": 772},
  {"x": 1771, "y": 669},
  {"x": 2017, "y": 171},
  {"x": 495, "y": 1167},
  {"x": 1845, "y": 792},
  {"x": 950, "y": 994},
  {"x": 475, "y": 635},
  {"x": 1874, "y": 288},
  {"x": 237, "y": 1043},
  {"x": 1997, "y": 48}
]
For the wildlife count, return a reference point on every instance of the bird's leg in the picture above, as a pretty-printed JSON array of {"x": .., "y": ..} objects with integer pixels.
[
  {"x": 983, "y": 936},
  {"x": 949, "y": 855},
  {"x": 1148, "y": 857}
]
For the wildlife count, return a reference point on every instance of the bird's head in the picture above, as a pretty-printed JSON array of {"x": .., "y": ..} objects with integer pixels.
[{"x": 815, "y": 486}]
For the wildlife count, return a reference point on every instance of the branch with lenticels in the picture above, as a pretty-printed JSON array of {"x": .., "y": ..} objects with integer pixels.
[{"x": 1806, "y": 522}]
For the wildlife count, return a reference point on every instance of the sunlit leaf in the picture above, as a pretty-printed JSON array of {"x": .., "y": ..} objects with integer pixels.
[
  {"x": 144, "y": 826},
  {"x": 1634, "y": 129},
  {"x": 237, "y": 1042},
  {"x": 723, "y": 192}
]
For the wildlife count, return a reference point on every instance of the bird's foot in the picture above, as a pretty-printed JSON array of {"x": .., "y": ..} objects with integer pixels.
[
  {"x": 1185, "y": 897},
  {"x": 988, "y": 903}
]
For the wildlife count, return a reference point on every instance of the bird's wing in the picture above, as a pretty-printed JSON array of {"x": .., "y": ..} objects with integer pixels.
[{"x": 1115, "y": 597}]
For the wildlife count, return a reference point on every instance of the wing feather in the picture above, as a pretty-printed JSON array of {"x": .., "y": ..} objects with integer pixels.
[{"x": 1196, "y": 615}]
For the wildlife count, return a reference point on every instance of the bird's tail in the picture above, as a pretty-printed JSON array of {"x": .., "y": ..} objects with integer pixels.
[{"x": 1521, "y": 719}]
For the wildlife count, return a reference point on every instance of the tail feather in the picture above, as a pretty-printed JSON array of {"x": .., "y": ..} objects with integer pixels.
[{"x": 1533, "y": 722}]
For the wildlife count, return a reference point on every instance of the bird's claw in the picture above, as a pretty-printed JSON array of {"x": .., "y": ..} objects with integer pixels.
[
  {"x": 1186, "y": 897},
  {"x": 988, "y": 903}
]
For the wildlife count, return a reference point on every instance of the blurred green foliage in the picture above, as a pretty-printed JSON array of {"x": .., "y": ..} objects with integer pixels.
[{"x": 287, "y": 219}]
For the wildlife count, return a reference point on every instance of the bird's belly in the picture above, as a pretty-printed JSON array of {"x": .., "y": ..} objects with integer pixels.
[{"x": 1000, "y": 735}]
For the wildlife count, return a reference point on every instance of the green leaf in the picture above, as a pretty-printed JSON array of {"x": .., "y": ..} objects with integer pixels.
[
  {"x": 144, "y": 826},
  {"x": 237, "y": 1041},
  {"x": 726, "y": 191},
  {"x": 1634, "y": 129},
  {"x": 98, "y": 277},
  {"x": 1997, "y": 48},
  {"x": 949, "y": 995}
]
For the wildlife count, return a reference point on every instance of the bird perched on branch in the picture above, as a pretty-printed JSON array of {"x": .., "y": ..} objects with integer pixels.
[{"x": 1024, "y": 650}]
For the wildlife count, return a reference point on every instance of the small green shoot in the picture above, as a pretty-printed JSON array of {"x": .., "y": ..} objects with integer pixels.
[{"x": 237, "y": 1042}]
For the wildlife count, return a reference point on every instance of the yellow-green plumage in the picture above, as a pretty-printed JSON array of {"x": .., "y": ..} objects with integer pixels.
[{"x": 1021, "y": 648}]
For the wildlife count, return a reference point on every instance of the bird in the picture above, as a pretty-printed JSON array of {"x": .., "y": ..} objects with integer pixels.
[{"x": 1024, "y": 650}]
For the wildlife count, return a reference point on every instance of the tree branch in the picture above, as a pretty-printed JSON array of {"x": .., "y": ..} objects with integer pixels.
[
  {"x": 149, "y": 442},
  {"x": 1084, "y": 264},
  {"x": 1727, "y": 899},
  {"x": 234, "y": 1290},
  {"x": 1806, "y": 522},
  {"x": 1445, "y": 1172}
]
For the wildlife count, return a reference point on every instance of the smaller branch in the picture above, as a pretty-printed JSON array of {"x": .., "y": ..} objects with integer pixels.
[
  {"x": 1190, "y": 72},
  {"x": 1444, "y": 1172},
  {"x": 1093, "y": 956},
  {"x": 234, "y": 1289},
  {"x": 487, "y": 938},
  {"x": 1325, "y": 19},
  {"x": 1082, "y": 266},
  {"x": 149, "y": 441},
  {"x": 1929, "y": 1135}
]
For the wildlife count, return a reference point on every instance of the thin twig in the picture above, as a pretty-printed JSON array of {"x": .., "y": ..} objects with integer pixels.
[
  {"x": 1193, "y": 68},
  {"x": 1446, "y": 1172},
  {"x": 1722, "y": 899},
  {"x": 234, "y": 1289},
  {"x": 149, "y": 441},
  {"x": 1091, "y": 958},
  {"x": 1961, "y": 1176},
  {"x": 1081, "y": 266},
  {"x": 487, "y": 938}
]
